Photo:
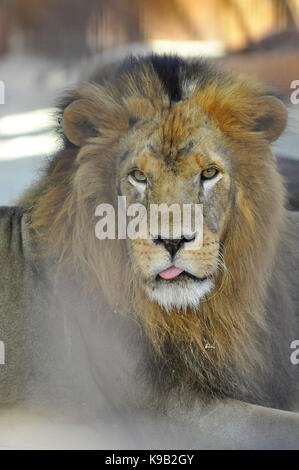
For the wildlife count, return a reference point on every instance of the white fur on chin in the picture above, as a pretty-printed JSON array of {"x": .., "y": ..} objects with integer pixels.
[{"x": 172, "y": 296}]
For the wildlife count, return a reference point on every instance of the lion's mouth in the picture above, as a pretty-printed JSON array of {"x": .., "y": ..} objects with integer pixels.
[{"x": 173, "y": 273}]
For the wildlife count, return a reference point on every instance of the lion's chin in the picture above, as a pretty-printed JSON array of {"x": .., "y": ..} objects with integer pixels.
[{"x": 177, "y": 296}]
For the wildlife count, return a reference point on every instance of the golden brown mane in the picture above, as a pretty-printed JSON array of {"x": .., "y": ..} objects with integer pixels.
[{"x": 232, "y": 320}]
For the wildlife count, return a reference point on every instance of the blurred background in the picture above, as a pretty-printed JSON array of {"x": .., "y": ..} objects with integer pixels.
[{"x": 47, "y": 46}]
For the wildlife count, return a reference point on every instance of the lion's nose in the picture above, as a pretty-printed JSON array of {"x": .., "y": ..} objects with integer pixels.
[{"x": 173, "y": 245}]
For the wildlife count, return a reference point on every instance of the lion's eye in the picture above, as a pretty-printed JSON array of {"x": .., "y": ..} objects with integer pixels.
[
  {"x": 209, "y": 173},
  {"x": 138, "y": 176}
]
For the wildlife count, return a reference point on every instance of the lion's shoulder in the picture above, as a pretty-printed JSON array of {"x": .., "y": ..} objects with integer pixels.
[
  {"x": 11, "y": 239},
  {"x": 294, "y": 216},
  {"x": 16, "y": 283}
]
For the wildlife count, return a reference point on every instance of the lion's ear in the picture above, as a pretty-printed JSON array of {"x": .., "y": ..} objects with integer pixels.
[
  {"x": 79, "y": 122},
  {"x": 270, "y": 118}
]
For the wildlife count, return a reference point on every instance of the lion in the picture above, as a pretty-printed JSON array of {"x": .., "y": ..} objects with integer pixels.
[{"x": 210, "y": 323}]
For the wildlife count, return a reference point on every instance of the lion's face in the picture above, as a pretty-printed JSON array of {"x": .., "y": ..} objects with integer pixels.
[{"x": 177, "y": 158}]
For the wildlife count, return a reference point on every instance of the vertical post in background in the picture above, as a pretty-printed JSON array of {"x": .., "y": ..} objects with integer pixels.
[{"x": 4, "y": 26}]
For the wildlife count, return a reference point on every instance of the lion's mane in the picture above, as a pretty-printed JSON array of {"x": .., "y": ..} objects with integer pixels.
[{"x": 243, "y": 320}]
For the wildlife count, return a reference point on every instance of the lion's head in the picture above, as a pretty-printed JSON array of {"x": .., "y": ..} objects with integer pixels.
[{"x": 164, "y": 130}]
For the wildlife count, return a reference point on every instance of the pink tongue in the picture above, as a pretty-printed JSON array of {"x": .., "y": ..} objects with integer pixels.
[{"x": 171, "y": 273}]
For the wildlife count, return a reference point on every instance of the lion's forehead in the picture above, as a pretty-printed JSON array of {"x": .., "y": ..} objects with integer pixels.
[
  {"x": 179, "y": 139},
  {"x": 176, "y": 130}
]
